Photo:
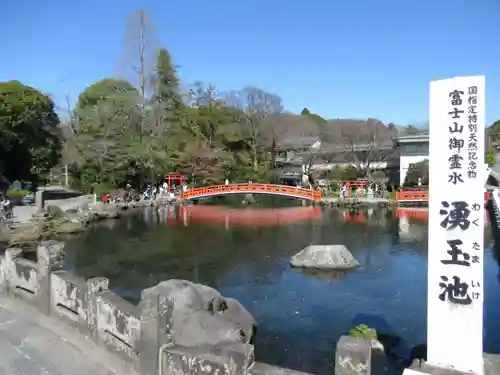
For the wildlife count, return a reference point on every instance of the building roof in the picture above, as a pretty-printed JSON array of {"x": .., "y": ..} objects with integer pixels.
[
  {"x": 297, "y": 142},
  {"x": 421, "y": 138}
]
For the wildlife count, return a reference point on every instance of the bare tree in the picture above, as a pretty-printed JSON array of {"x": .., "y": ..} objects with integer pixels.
[
  {"x": 289, "y": 127},
  {"x": 139, "y": 56},
  {"x": 367, "y": 143},
  {"x": 256, "y": 106}
]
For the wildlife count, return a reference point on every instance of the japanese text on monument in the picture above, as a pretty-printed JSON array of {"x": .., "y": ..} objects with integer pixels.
[
  {"x": 472, "y": 125},
  {"x": 456, "y": 141},
  {"x": 459, "y": 217},
  {"x": 457, "y": 176}
]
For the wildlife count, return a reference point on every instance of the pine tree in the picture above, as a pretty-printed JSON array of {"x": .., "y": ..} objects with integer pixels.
[{"x": 166, "y": 82}]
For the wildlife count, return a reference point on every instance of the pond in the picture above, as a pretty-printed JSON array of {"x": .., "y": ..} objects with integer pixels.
[{"x": 244, "y": 253}]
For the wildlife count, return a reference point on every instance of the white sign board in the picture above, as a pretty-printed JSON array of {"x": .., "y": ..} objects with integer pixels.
[{"x": 456, "y": 224}]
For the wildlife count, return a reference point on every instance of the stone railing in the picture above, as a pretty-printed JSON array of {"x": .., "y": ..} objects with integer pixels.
[{"x": 178, "y": 327}]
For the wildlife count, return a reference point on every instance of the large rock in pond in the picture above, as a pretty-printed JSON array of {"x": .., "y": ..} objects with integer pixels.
[
  {"x": 249, "y": 199},
  {"x": 202, "y": 316},
  {"x": 324, "y": 257}
]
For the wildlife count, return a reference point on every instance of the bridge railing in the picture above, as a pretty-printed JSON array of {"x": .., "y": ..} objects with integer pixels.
[
  {"x": 422, "y": 195},
  {"x": 250, "y": 188},
  {"x": 142, "y": 334},
  {"x": 412, "y": 195}
]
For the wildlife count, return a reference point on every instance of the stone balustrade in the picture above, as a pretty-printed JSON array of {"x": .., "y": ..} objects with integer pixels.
[{"x": 173, "y": 329}]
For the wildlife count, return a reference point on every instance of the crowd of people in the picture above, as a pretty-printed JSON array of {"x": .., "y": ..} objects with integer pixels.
[{"x": 149, "y": 192}]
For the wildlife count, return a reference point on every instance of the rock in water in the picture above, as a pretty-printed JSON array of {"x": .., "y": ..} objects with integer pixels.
[
  {"x": 202, "y": 316},
  {"x": 324, "y": 257},
  {"x": 249, "y": 199}
]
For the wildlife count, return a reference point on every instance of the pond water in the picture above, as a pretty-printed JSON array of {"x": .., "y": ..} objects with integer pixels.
[{"x": 244, "y": 253}]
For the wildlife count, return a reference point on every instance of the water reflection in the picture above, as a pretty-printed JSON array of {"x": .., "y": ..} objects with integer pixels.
[
  {"x": 245, "y": 254},
  {"x": 323, "y": 275},
  {"x": 230, "y": 217}
]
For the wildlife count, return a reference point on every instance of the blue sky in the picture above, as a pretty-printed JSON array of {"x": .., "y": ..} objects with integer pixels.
[{"x": 357, "y": 58}]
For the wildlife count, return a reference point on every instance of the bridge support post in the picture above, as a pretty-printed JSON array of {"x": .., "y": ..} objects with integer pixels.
[
  {"x": 44, "y": 268},
  {"x": 93, "y": 286},
  {"x": 155, "y": 314},
  {"x": 7, "y": 266}
]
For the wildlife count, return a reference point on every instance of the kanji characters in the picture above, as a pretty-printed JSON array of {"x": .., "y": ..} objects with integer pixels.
[{"x": 455, "y": 292}]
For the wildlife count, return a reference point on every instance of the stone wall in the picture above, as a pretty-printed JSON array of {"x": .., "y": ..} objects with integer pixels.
[
  {"x": 178, "y": 326},
  {"x": 70, "y": 203}
]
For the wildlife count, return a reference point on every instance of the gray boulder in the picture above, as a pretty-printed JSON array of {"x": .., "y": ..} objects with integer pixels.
[
  {"x": 249, "y": 199},
  {"x": 324, "y": 257},
  {"x": 202, "y": 316}
]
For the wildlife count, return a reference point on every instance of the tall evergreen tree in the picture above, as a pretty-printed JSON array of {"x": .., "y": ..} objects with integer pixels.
[{"x": 166, "y": 83}]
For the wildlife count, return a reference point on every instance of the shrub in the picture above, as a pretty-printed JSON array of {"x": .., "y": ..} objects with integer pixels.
[
  {"x": 350, "y": 173},
  {"x": 416, "y": 171},
  {"x": 490, "y": 158},
  {"x": 101, "y": 189},
  {"x": 362, "y": 331},
  {"x": 16, "y": 194},
  {"x": 379, "y": 176},
  {"x": 336, "y": 174}
]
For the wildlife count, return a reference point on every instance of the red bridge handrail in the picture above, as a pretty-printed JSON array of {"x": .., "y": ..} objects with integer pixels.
[
  {"x": 253, "y": 188},
  {"x": 412, "y": 195},
  {"x": 423, "y": 195}
]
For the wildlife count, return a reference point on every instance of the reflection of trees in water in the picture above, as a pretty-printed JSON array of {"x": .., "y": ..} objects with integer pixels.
[
  {"x": 324, "y": 275},
  {"x": 139, "y": 251},
  {"x": 135, "y": 255}
]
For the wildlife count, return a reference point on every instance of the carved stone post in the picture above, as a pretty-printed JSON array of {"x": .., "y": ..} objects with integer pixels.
[
  {"x": 156, "y": 315},
  {"x": 39, "y": 201},
  {"x": 353, "y": 356},
  {"x": 45, "y": 254},
  {"x": 8, "y": 267},
  {"x": 94, "y": 286}
]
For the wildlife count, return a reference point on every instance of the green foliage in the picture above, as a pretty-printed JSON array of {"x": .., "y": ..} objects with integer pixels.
[
  {"x": 362, "y": 331},
  {"x": 416, "y": 171},
  {"x": 167, "y": 85},
  {"x": 379, "y": 176},
  {"x": 343, "y": 174},
  {"x": 494, "y": 130},
  {"x": 490, "y": 158},
  {"x": 30, "y": 143},
  {"x": 207, "y": 136},
  {"x": 350, "y": 173},
  {"x": 103, "y": 90},
  {"x": 101, "y": 189},
  {"x": 316, "y": 118},
  {"x": 412, "y": 130},
  {"x": 336, "y": 174},
  {"x": 13, "y": 194}
]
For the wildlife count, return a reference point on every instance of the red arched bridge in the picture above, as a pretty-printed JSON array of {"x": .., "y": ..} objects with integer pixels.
[{"x": 251, "y": 188}]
